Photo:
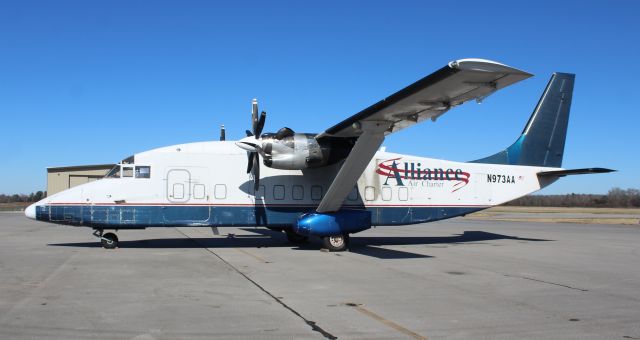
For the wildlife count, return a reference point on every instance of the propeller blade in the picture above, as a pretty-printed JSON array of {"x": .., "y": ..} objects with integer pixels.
[
  {"x": 261, "y": 120},
  {"x": 254, "y": 116},
  {"x": 249, "y": 134},
  {"x": 249, "y": 161},
  {"x": 222, "y": 133},
  {"x": 256, "y": 172}
]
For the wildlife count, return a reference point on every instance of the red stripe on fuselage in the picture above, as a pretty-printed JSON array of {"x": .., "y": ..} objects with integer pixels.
[{"x": 265, "y": 205}]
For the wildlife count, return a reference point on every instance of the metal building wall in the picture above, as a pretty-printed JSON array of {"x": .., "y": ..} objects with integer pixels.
[{"x": 62, "y": 178}]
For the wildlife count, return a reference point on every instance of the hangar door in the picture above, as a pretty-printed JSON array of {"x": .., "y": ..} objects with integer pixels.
[{"x": 75, "y": 180}]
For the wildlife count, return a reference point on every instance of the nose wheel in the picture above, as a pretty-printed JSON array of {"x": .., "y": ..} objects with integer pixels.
[{"x": 108, "y": 240}]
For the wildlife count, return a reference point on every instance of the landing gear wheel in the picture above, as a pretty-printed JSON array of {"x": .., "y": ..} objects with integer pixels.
[
  {"x": 296, "y": 238},
  {"x": 336, "y": 242},
  {"x": 109, "y": 241}
]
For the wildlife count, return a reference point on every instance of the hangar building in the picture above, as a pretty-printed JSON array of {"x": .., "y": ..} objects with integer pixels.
[{"x": 62, "y": 178}]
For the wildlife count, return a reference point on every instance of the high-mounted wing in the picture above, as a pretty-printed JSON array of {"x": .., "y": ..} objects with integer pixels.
[
  {"x": 433, "y": 95},
  {"x": 428, "y": 98}
]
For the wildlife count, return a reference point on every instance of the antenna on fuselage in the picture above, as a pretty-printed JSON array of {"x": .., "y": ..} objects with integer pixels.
[{"x": 222, "y": 133}]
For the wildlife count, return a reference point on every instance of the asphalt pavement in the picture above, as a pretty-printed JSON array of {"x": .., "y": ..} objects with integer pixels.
[{"x": 453, "y": 279}]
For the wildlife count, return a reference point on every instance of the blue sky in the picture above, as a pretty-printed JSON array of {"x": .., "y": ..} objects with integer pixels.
[{"x": 91, "y": 82}]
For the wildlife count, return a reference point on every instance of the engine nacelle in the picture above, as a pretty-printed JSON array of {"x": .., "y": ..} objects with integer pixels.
[
  {"x": 296, "y": 151},
  {"x": 331, "y": 224}
]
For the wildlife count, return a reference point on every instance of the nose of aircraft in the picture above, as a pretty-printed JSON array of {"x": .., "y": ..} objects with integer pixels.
[{"x": 30, "y": 212}]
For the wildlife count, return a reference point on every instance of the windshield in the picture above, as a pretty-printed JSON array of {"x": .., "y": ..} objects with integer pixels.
[{"x": 114, "y": 172}]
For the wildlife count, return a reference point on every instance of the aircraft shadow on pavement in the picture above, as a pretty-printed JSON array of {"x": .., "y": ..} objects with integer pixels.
[{"x": 265, "y": 238}]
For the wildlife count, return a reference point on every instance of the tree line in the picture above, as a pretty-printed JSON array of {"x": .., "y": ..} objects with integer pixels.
[
  {"x": 615, "y": 198},
  {"x": 32, "y": 197}
]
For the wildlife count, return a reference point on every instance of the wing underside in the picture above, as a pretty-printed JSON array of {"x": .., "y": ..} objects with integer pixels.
[{"x": 433, "y": 95}]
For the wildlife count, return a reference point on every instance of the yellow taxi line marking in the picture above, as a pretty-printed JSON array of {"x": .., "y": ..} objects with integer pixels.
[{"x": 389, "y": 323}]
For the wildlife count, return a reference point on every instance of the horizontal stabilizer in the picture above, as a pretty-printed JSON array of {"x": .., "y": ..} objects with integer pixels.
[{"x": 561, "y": 173}]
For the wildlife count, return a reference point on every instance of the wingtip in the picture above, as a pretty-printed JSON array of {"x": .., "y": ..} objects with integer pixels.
[{"x": 478, "y": 64}]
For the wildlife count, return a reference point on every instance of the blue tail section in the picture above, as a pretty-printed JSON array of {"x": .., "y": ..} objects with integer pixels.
[{"x": 542, "y": 140}]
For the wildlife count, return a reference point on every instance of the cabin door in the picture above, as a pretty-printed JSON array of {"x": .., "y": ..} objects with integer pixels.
[
  {"x": 178, "y": 185},
  {"x": 183, "y": 186}
]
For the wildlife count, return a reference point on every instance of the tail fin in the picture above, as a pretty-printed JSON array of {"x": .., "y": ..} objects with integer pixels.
[{"x": 542, "y": 140}]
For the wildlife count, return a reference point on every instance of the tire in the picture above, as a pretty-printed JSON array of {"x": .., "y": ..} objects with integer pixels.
[
  {"x": 109, "y": 241},
  {"x": 296, "y": 238},
  {"x": 336, "y": 242}
]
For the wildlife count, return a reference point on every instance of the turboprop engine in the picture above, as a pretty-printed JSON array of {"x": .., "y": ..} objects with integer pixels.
[
  {"x": 296, "y": 151},
  {"x": 288, "y": 150}
]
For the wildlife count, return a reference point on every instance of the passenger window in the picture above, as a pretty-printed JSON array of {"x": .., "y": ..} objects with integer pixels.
[
  {"x": 143, "y": 172},
  {"x": 316, "y": 192},
  {"x": 198, "y": 191},
  {"x": 386, "y": 193},
  {"x": 220, "y": 191},
  {"x": 297, "y": 192},
  {"x": 353, "y": 195},
  {"x": 403, "y": 193},
  {"x": 178, "y": 191},
  {"x": 369, "y": 193},
  {"x": 127, "y": 171},
  {"x": 278, "y": 192}
]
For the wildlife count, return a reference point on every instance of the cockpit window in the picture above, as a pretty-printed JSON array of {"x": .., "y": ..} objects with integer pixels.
[
  {"x": 128, "y": 160},
  {"x": 143, "y": 172},
  {"x": 114, "y": 172},
  {"x": 126, "y": 168},
  {"x": 127, "y": 171}
]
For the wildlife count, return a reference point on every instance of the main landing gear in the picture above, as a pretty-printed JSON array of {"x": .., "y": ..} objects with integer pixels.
[
  {"x": 336, "y": 242},
  {"x": 296, "y": 238},
  {"x": 108, "y": 240},
  {"x": 331, "y": 243}
]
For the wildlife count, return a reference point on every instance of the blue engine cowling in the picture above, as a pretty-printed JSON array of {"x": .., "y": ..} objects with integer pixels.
[{"x": 336, "y": 223}]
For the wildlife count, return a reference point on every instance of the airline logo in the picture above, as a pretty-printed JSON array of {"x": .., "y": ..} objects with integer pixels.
[{"x": 413, "y": 174}]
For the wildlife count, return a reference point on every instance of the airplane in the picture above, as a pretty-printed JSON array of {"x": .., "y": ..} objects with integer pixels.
[{"x": 333, "y": 183}]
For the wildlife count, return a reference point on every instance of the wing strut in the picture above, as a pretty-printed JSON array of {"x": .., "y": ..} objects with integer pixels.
[{"x": 366, "y": 146}]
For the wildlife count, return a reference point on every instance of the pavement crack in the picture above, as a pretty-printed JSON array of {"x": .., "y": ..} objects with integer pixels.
[
  {"x": 547, "y": 282},
  {"x": 311, "y": 324}
]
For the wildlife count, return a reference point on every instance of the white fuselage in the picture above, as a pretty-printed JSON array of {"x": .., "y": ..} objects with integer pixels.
[{"x": 206, "y": 184}]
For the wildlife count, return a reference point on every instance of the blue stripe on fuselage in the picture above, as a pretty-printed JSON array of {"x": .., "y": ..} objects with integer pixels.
[{"x": 143, "y": 216}]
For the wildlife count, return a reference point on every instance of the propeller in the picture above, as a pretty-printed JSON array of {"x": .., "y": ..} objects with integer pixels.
[{"x": 252, "y": 145}]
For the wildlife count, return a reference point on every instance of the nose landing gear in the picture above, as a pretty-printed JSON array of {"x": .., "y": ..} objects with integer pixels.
[{"x": 108, "y": 240}]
